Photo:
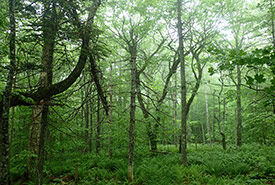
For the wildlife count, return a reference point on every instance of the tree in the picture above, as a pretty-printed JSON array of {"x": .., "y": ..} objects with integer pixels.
[
  {"x": 4, "y": 121},
  {"x": 199, "y": 34},
  {"x": 42, "y": 95},
  {"x": 207, "y": 115}
]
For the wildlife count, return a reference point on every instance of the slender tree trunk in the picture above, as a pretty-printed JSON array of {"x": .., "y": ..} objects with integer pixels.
[
  {"x": 175, "y": 113},
  {"x": 273, "y": 42},
  {"x": 239, "y": 109},
  {"x": 274, "y": 114},
  {"x": 219, "y": 122},
  {"x": 98, "y": 127},
  {"x": 272, "y": 22},
  {"x": 82, "y": 114},
  {"x": 87, "y": 113},
  {"x": 12, "y": 126},
  {"x": 214, "y": 114},
  {"x": 203, "y": 133},
  {"x": 4, "y": 118},
  {"x": 111, "y": 112},
  {"x": 91, "y": 128},
  {"x": 132, "y": 117},
  {"x": 207, "y": 115},
  {"x": 223, "y": 129},
  {"x": 183, "y": 87},
  {"x": 189, "y": 133},
  {"x": 12, "y": 118}
]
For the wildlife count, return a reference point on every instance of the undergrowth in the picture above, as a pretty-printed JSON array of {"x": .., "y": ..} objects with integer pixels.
[{"x": 251, "y": 164}]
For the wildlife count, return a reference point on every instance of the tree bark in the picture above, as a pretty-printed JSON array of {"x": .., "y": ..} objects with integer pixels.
[
  {"x": 203, "y": 133},
  {"x": 219, "y": 120},
  {"x": 98, "y": 127},
  {"x": 175, "y": 140},
  {"x": 12, "y": 118},
  {"x": 223, "y": 129},
  {"x": 4, "y": 121},
  {"x": 91, "y": 128},
  {"x": 207, "y": 115},
  {"x": 87, "y": 121},
  {"x": 272, "y": 23},
  {"x": 274, "y": 114},
  {"x": 132, "y": 116},
  {"x": 183, "y": 86},
  {"x": 239, "y": 109},
  {"x": 214, "y": 114},
  {"x": 111, "y": 112},
  {"x": 38, "y": 125}
]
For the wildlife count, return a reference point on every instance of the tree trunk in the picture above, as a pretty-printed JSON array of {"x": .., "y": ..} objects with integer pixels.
[
  {"x": 98, "y": 127},
  {"x": 274, "y": 115},
  {"x": 272, "y": 23},
  {"x": 111, "y": 112},
  {"x": 189, "y": 133},
  {"x": 132, "y": 117},
  {"x": 214, "y": 114},
  {"x": 223, "y": 125},
  {"x": 203, "y": 133},
  {"x": 38, "y": 125},
  {"x": 183, "y": 86},
  {"x": 175, "y": 138},
  {"x": 91, "y": 128},
  {"x": 41, "y": 146},
  {"x": 154, "y": 133},
  {"x": 219, "y": 121},
  {"x": 12, "y": 118},
  {"x": 4, "y": 117},
  {"x": 207, "y": 115},
  {"x": 239, "y": 109},
  {"x": 86, "y": 116}
]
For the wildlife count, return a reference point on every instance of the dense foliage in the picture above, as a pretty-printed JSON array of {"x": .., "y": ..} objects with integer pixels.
[{"x": 183, "y": 92}]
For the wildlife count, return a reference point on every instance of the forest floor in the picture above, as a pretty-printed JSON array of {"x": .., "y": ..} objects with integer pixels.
[{"x": 251, "y": 164}]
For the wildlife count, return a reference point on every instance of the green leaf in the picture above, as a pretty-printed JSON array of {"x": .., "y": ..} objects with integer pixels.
[
  {"x": 260, "y": 78},
  {"x": 211, "y": 71},
  {"x": 250, "y": 80}
]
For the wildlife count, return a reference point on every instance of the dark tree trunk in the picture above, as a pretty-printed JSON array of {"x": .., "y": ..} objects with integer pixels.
[
  {"x": 219, "y": 121},
  {"x": 223, "y": 125},
  {"x": 4, "y": 117}
]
